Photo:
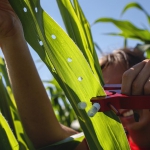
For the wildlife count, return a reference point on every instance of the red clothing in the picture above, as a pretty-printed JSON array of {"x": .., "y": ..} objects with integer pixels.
[{"x": 133, "y": 146}]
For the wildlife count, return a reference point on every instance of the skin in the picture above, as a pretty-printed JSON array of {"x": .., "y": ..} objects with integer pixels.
[
  {"x": 29, "y": 90},
  {"x": 112, "y": 74},
  {"x": 137, "y": 76}
]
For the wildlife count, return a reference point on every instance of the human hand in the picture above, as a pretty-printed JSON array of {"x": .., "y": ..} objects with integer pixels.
[
  {"x": 10, "y": 25},
  {"x": 136, "y": 80}
]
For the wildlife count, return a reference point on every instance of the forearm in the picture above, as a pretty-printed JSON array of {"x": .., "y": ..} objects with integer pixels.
[
  {"x": 25, "y": 81},
  {"x": 33, "y": 104},
  {"x": 32, "y": 101}
]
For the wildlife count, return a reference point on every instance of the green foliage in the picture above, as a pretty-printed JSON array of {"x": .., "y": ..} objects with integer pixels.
[
  {"x": 130, "y": 31},
  {"x": 63, "y": 110},
  {"x": 16, "y": 134},
  {"x": 76, "y": 72},
  {"x": 78, "y": 29},
  {"x": 137, "y": 6},
  {"x": 7, "y": 138}
]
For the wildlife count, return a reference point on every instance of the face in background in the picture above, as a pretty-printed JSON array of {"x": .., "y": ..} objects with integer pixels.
[{"x": 113, "y": 75}]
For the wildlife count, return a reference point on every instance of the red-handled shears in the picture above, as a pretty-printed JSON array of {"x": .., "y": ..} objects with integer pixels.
[{"x": 114, "y": 100}]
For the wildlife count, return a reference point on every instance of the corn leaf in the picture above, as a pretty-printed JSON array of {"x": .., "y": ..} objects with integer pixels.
[
  {"x": 3, "y": 71},
  {"x": 9, "y": 110},
  {"x": 148, "y": 53},
  {"x": 138, "y": 6},
  {"x": 72, "y": 71},
  {"x": 127, "y": 28},
  {"x": 7, "y": 139},
  {"x": 78, "y": 29}
]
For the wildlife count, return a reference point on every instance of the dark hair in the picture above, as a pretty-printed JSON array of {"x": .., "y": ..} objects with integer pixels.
[{"x": 129, "y": 56}]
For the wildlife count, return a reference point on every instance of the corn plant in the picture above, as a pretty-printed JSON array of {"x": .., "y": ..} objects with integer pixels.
[
  {"x": 12, "y": 134},
  {"x": 75, "y": 68},
  {"x": 129, "y": 30}
]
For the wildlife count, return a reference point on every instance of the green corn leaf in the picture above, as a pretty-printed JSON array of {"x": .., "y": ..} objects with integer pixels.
[
  {"x": 78, "y": 29},
  {"x": 4, "y": 107},
  {"x": 127, "y": 28},
  {"x": 98, "y": 48},
  {"x": 7, "y": 139},
  {"x": 114, "y": 34},
  {"x": 3, "y": 71},
  {"x": 138, "y": 6},
  {"x": 125, "y": 39},
  {"x": 73, "y": 72},
  {"x": 9, "y": 110},
  {"x": 148, "y": 54},
  {"x": 122, "y": 35}
]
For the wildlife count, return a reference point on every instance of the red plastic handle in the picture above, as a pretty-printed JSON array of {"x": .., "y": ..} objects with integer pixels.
[{"x": 120, "y": 101}]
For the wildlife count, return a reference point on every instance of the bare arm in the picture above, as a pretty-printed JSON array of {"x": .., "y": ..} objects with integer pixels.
[{"x": 32, "y": 101}]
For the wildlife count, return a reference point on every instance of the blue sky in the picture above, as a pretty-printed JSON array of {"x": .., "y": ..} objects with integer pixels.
[{"x": 94, "y": 9}]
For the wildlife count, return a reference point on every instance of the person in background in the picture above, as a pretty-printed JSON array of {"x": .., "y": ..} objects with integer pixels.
[
  {"x": 129, "y": 67},
  {"x": 33, "y": 103}
]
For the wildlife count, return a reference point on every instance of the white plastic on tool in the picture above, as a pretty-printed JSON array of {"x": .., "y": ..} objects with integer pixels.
[
  {"x": 95, "y": 108},
  {"x": 82, "y": 105}
]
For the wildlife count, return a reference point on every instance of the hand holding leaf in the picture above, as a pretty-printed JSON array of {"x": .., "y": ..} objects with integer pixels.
[{"x": 10, "y": 24}]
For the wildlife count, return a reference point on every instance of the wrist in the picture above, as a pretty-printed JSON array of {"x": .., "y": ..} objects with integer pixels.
[{"x": 16, "y": 40}]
